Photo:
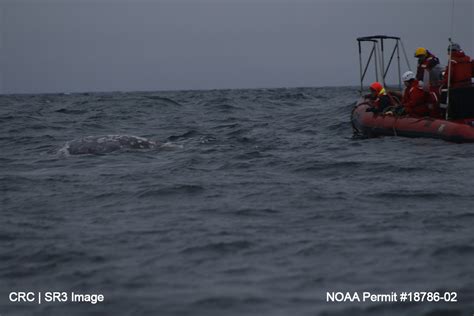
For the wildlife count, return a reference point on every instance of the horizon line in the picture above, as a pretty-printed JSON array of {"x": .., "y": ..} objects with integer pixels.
[{"x": 179, "y": 90}]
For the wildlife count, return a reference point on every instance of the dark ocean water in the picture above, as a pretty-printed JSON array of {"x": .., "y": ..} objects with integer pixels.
[{"x": 260, "y": 202}]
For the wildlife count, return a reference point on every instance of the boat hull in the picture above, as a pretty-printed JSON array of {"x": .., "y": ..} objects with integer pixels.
[{"x": 372, "y": 125}]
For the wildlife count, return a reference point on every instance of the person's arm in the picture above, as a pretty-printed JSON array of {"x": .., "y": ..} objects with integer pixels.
[
  {"x": 420, "y": 72},
  {"x": 385, "y": 102},
  {"x": 432, "y": 62},
  {"x": 444, "y": 81}
]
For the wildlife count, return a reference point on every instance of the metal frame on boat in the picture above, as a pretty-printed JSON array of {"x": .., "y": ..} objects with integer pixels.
[{"x": 379, "y": 42}]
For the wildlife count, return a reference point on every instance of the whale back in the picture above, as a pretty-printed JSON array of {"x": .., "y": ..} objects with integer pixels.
[{"x": 106, "y": 144}]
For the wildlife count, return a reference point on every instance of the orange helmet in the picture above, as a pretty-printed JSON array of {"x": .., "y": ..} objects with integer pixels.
[{"x": 376, "y": 86}]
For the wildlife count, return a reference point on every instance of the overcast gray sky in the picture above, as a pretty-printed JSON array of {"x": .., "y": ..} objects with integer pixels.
[{"x": 108, "y": 45}]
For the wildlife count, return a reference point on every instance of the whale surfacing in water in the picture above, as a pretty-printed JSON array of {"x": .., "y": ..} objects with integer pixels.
[{"x": 106, "y": 144}]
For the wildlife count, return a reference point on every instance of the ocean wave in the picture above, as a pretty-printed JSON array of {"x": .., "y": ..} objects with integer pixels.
[
  {"x": 454, "y": 250},
  {"x": 71, "y": 111},
  {"x": 227, "y": 302},
  {"x": 173, "y": 190},
  {"x": 416, "y": 194},
  {"x": 163, "y": 100},
  {"x": 187, "y": 134},
  {"x": 340, "y": 166},
  {"x": 219, "y": 247},
  {"x": 257, "y": 212}
]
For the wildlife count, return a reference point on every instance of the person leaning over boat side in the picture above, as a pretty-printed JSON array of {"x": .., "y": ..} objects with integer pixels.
[
  {"x": 414, "y": 98},
  {"x": 461, "y": 65},
  {"x": 379, "y": 97},
  {"x": 429, "y": 70}
]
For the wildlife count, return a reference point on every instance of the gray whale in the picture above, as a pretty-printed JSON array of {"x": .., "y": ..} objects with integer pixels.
[{"x": 106, "y": 144}]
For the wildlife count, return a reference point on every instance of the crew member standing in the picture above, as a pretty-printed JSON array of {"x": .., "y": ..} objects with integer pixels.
[
  {"x": 429, "y": 70},
  {"x": 461, "y": 66}
]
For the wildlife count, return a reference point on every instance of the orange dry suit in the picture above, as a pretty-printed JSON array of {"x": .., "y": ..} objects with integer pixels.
[
  {"x": 414, "y": 100},
  {"x": 461, "y": 74}
]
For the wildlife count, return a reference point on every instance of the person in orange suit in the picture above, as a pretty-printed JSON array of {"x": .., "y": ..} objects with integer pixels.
[
  {"x": 461, "y": 65},
  {"x": 414, "y": 99},
  {"x": 379, "y": 97}
]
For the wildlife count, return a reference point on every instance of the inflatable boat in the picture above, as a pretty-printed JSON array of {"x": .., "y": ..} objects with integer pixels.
[
  {"x": 458, "y": 103},
  {"x": 378, "y": 124}
]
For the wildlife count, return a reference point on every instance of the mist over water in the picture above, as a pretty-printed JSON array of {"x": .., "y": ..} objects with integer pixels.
[{"x": 260, "y": 203}]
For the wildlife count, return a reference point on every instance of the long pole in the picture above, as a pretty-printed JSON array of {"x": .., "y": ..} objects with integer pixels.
[
  {"x": 376, "y": 68},
  {"x": 450, "y": 57},
  {"x": 399, "y": 70},
  {"x": 360, "y": 66},
  {"x": 449, "y": 76},
  {"x": 382, "y": 62}
]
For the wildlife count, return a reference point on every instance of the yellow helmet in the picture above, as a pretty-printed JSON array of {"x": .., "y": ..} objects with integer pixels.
[{"x": 420, "y": 51}]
